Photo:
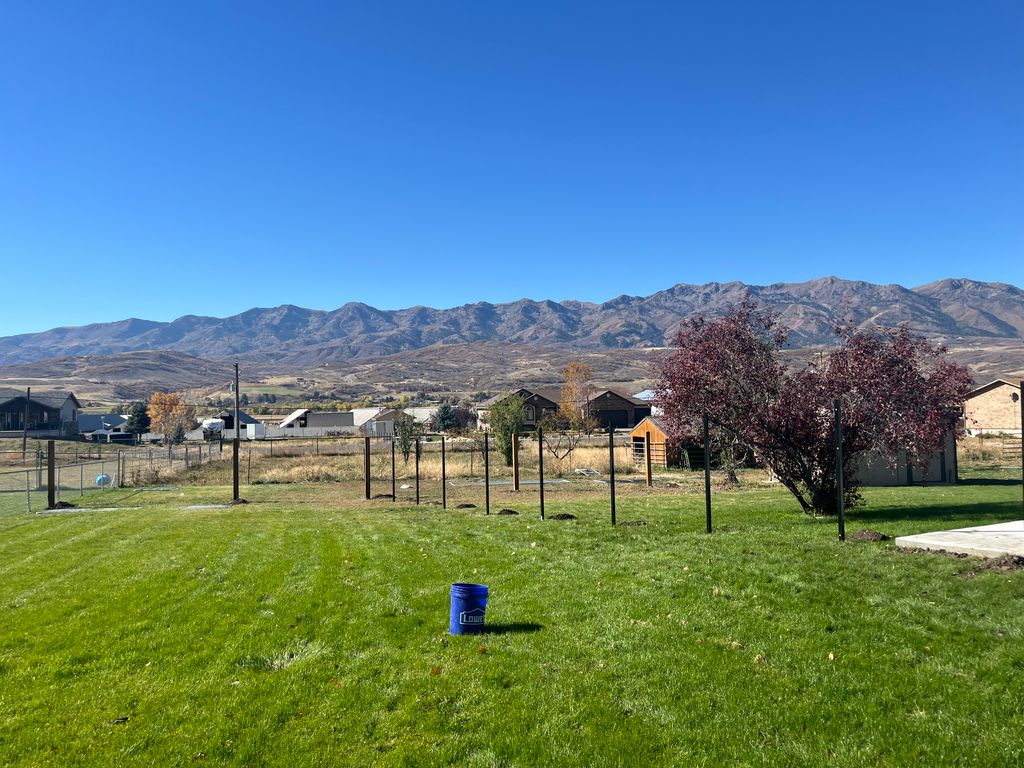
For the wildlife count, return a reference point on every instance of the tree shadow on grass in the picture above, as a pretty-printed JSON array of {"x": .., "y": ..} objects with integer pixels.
[
  {"x": 988, "y": 481},
  {"x": 977, "y": 514},
  {"x": 512, "y": 628}
]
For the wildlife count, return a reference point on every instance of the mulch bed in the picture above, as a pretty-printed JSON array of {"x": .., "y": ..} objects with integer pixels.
[{"x": 869, "y": 535}]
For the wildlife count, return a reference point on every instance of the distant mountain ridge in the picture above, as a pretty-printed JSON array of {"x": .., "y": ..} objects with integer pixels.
[{"x": 951, "y": 309}]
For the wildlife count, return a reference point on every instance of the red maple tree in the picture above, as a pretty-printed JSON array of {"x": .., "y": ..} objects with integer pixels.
[{"x": 897, "y": 391}]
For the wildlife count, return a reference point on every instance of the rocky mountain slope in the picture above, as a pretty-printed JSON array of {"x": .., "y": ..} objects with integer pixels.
[{"x": 292, "y": 337}]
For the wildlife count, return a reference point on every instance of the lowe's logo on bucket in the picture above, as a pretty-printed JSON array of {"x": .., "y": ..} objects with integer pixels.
[{"x": 475, "y": 616}]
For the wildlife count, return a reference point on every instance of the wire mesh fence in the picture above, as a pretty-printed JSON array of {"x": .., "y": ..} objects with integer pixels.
[{"x": 470, "y": 469}]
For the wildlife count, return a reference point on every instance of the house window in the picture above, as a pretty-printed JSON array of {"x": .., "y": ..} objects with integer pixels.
[{"x": 531, "y": 413}]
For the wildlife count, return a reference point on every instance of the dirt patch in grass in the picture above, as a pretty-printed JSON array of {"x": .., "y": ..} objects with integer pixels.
[
  {"x": 1001, "y": 564},
  {"x": 465, "y": 505},
  {"x": 869, "y": 535},
  {"x": 507, "y": 511},
  {"x": 236, "y": 502},
  {"x": 383, "y": 496},
  {"x": 563, "y": 516},
  {"x": 632, "y": 523}
]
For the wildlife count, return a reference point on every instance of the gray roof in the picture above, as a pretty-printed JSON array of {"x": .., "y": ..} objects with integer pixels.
[
  {"x": 50, "y": 399},
  {"x": 554, "y": 394},
  {"x": 243, "y": 417},
  {"x": 90, "y": 422}
]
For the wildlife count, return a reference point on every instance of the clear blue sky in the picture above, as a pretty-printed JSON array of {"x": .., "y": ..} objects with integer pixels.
[{"x": 439, "y": 153}]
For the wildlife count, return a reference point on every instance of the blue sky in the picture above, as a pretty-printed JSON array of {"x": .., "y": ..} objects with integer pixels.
[{"x": 153, "y": 155}]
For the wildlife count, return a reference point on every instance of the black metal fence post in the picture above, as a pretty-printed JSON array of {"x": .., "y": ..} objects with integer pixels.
[
  {"x": 540, "y": 467},
  {"x": 51, "y": 475},
  {"x": 515, "y": 461},
  {"x": 417, "y": 470},
  {"x": 366, "y": 465},
  {"x": 647, "y": 458},
  {"x": 707, "y": 473},
  {"x": 487, "y": 476},
  {"x": 839, "y": 470},
  {"x": 611, "y": 469},
  {"x": 394, "y": 493},
  {"x": 444, "y": 477}
]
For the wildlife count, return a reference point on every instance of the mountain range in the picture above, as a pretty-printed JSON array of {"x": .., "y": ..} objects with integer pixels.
[{"x": 289, "y": 337}]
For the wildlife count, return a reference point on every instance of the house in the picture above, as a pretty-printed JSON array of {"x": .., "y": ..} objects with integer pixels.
[
  {"x": 303, "y": 418},
  {"x": 613, "y": 408},
  {"x": 993, "y": 408},
  {"x": 609, "y": 407},
  {"x": 50, "y": 414},
  {"x": 111, "y": 423},
  {"x": 228, "y": 417},
  {"x": 539, "y": 401},
  {"x": 383, "y": 424}
]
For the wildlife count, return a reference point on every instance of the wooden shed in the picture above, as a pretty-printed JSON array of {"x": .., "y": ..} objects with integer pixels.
[{"x": 663, "y": 452}]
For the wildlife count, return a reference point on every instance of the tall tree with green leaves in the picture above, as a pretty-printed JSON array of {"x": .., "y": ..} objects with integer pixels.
[
  {"x": 504, "y": 419},
  {"x": 138, "y": 419},
  {"x": 445, "y": 419}
]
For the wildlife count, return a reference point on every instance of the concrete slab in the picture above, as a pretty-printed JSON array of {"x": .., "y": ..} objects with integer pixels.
[{"x": 980, "y": 540}]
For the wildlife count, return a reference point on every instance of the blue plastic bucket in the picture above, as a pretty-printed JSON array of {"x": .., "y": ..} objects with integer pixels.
[{"x": 469, "y": 604}]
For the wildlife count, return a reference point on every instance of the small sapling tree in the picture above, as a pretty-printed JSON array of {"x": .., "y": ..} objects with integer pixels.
[
  {"x": 405, "y": 432},
  {"x": 505, "y": 418}
]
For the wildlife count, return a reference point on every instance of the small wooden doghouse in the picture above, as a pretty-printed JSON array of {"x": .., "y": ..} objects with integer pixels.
[{"x": 663, "y": 452}]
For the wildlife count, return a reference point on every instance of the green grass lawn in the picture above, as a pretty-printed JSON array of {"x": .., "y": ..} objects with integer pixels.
[{"x": 307, "y": 628}]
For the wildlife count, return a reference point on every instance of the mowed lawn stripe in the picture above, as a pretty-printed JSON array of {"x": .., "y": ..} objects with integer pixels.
[{"x": 315, "y": 632}]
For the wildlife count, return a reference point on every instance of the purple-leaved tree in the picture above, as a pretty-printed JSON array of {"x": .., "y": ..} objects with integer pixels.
[{"x": 897, "y": 390}]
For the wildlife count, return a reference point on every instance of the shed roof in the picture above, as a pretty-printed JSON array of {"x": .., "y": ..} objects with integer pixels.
[
  {"x": 293, "y": 416},
  {"x": 639, "y": 429}
]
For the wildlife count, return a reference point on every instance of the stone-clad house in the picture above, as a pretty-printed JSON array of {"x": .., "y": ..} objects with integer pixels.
[{"x": 993, "y": 408}]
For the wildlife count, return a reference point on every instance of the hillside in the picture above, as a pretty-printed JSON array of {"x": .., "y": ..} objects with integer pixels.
[{"x": 291, "y": 337}]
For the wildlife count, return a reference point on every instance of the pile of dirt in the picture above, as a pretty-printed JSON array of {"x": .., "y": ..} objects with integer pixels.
[
  {"x": 563, "y": 516},
  {"x": 465, "y": 505},
  {"x": 63, "y": 505},
  {"x": 1001, "y": 564},
  {"x": 507, "y": 512},
  {"x": 235, "y": 502},
  {"x": 869, "y": 535},
  {"x": 630, "y": 523}
]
